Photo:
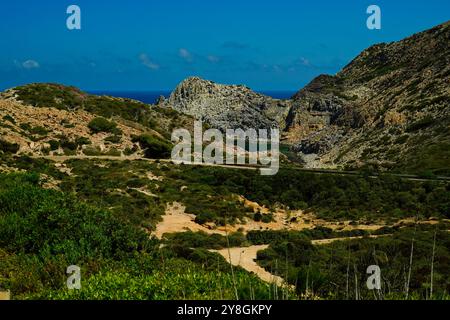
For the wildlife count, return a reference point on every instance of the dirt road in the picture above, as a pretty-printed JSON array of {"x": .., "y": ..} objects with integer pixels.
[
  {"x": 245, "y": 257},
  {"x": 410, "y": 177},
  {"x": 177, "y": 220}
]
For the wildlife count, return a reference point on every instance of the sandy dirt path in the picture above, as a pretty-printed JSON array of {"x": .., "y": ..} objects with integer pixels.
[
  {"x": 5, "y": 295},
  {"x": 177, "y": 220},
  {"x": 245, "y": 257}
]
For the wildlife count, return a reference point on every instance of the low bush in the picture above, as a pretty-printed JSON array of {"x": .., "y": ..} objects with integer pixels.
[
  {"x": 423, "y": 123},
  {"x": 8, "y": 147},
  {"x": 101, "y": 124},
  {"x": 154, "y": 147}
]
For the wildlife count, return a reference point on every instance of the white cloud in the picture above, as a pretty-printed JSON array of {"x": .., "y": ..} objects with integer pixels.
[
  {"x": 213, "y": 59},
  {"x": 277, "y": 69},
  {"x": 304, "y": 62},
  {"x": 30, "y": 64},
  {"x": 185, "y": 54},
  {"x": 146, "y": 61}
]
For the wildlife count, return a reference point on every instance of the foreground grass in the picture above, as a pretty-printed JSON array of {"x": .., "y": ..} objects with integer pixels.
[{"x": 42, "y": 232}]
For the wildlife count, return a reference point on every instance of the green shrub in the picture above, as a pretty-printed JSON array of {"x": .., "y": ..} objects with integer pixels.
[
  {"x": 113, "y": 152},
  {"x": 325, "y": 268},
  {"x": 154, "y": 147},
  {"x": 186, "y": 281},
  {"x": 69, "y": 98},
  {"x": 101, "y": 124},
  {"x": 38, "y": 130},
  {"x": 423, "y": 123},
  {"x": 8, "y": 147},
  {"x": 92, "y": 151},
  {"x": 81, "y": 141},
  {"x": 36, "y": 220},
  {"x": 69, "y": 152},
  {"x": 67, "y": 144},
  {"x": 129, "y": 151},
  {"x": 402, "y": 139},
  {"x": 204, "y": 217},
  {"x": 54, "y": 145},
  {"x": 114, "y": 138},
  {"x": 216, "y": 241},
  {"x": 9, "y": 118},
  {"x": 257, "y": 217},
  {"x": 267, "y": 218}
]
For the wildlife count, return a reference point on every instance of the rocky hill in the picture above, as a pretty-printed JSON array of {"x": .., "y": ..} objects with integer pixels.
[
  {"x": 227, "y": 106},
  {"x": 51, "y": 120},
  {"x": 387, "y": 109}
]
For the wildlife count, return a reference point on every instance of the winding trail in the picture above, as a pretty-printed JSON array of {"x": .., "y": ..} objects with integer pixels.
[{"x": 245, "y": 257}]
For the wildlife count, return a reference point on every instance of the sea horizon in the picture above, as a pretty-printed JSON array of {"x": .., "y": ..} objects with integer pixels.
[{"x": 151, "y": 96}]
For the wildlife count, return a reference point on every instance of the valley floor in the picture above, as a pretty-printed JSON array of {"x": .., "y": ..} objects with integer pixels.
[{"x": 152, "y": 216}]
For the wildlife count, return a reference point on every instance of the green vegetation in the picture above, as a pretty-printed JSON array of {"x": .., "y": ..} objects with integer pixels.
[
  {"x": 183, "y": 280},
  {"x": 92, "y": 151},
  {"x": 100, "y": 219},
  {"x": 54, "y": 144},
  {"x": 44, "y": 231},
  {"x": 9, "y": 118},
  {"x": 51, "y": 96},
  {"x": 266, "y": 218},
  {"x": 269, "y": 236},
  {"x": 431, "y": 156},
  {"x": 81, "y": 141},
  {"x": 8, "y": 147},
  {"x": 38, "y": 130},
  {"x": 101, "y": 124},
  {"x": 401, "y": 139},
  {"x": 330, "y": 196},
  {"x": 338, "y": 270},
  {"x": 45, "y": 222},
  {"x": 210, "y": 193},
  {"x": 421, "y": 124},
  {"x": 114, "y": 138},
  {"x": 154, "y": 147},
  {"x": 191, "y": 239}
]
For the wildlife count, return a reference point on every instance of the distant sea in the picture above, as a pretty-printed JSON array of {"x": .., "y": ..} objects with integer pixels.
[{"x": 152, "y": 96}]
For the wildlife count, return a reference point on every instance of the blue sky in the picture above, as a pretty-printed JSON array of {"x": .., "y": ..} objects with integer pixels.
[{"x": 153, "y": 45}]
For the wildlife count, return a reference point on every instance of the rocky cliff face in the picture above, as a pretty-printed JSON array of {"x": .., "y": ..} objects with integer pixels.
[
  {"x": 226, "y": 107},
  {"x": 388, "y": 108}
]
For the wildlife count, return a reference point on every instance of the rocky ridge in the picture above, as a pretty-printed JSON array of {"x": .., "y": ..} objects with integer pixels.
[
  {"x": 227, "y": 106},
  {"x": 387, "y": 109}
]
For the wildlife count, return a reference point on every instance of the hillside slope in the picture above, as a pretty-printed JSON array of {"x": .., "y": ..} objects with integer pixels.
[
  {"x": 388, "y": 108},
  {"x": 51, "y": 119}
]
